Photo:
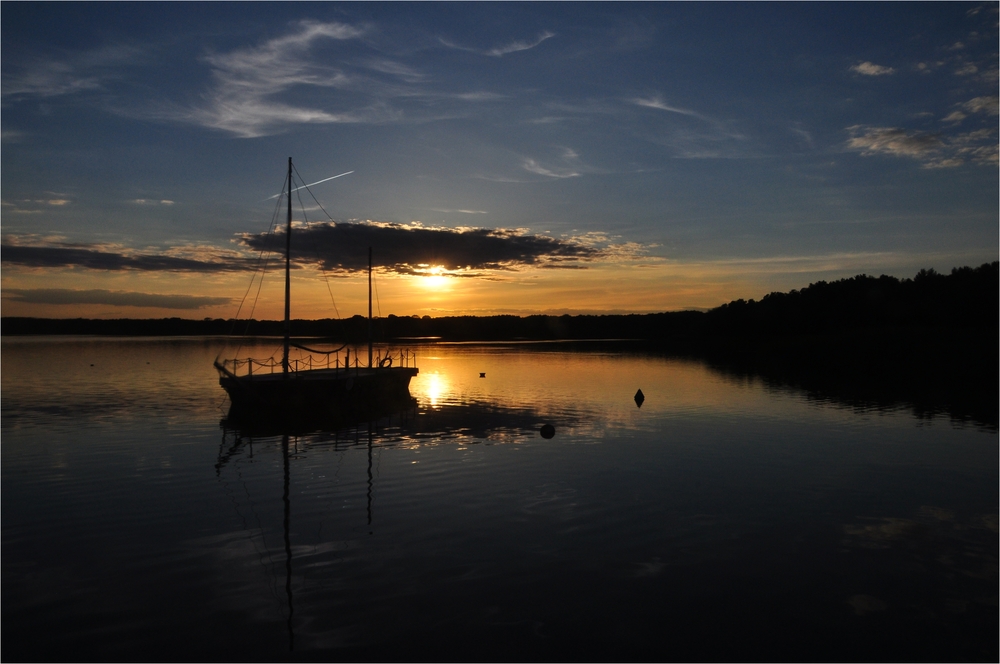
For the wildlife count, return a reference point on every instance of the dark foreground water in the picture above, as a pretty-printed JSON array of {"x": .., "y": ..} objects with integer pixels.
[{"x": 724, "y": 519}]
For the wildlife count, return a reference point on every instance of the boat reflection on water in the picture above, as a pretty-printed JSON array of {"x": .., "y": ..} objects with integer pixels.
[
  {"x": 239, "y": 436},
  {"x": 393, "y": 423},
  {"x": 266, "y": 422}
]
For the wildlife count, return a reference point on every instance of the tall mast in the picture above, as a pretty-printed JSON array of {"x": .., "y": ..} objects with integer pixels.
[
  {"x": 369, "y": 307},
  {"x": 288, "y": 274}
]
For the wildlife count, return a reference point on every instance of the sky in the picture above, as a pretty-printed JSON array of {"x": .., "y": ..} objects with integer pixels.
[{"x": 500, "y": 158}]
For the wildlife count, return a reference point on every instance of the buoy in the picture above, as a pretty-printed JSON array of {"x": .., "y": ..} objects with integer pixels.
[
  {"x": 482, "y": 374},
  {"x": 639, "y": 398},
  {"x": 548, "y": 431}
]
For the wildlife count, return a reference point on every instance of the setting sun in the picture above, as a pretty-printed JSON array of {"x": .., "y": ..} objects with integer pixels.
[{"x": 434, "y": 280}]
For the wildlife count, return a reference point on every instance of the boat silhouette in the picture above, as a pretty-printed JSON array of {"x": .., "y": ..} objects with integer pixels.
[{"x": 304, "y": 390}]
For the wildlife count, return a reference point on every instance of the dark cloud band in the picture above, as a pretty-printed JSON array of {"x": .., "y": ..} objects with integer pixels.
[
  {"x": 403, "y": 249},
  {"x": 94, "y": 259},
  {"x": 468, "y": 252},
  {"x": 115, "y": 298}
]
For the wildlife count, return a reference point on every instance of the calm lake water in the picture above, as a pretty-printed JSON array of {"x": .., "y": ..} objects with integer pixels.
[{"x": 724, "y": 519}]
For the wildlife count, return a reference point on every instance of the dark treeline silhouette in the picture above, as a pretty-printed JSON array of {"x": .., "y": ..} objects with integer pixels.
[
  {"x": 390, "y": 328},
  {"x": 966, "y": 298},
  {"x": 929, "y": 343}
]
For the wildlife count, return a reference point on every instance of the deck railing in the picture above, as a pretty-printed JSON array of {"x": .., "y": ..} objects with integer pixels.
[{"x": 384, "y": 358}]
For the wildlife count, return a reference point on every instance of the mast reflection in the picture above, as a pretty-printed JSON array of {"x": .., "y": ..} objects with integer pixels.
[
  {"x": 238, "y": 436},
  {"x": 288, "y": 543}
]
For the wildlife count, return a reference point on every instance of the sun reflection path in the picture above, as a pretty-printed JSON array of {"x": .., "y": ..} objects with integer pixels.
[{"x": 430, "y": 388}]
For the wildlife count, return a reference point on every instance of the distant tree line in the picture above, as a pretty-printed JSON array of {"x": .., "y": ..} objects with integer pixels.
[{"x": 966, "y": 299}]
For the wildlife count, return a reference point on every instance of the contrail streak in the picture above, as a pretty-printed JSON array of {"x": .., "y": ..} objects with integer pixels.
[{"x": 269, "y": 198}]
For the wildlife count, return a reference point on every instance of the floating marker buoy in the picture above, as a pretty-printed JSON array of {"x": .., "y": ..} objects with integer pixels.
[
  {"x": 548, "y": 431},
  {"x": 639, "y": 398},
  {"x": 482, "y": 374}
]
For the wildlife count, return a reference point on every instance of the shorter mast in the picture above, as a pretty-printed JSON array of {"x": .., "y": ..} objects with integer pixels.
[
  {"x": 369, "y": 307},
  {"x": 288, "y": 274}
]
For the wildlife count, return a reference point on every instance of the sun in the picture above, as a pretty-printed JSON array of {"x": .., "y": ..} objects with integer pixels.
[{"x": 433, "y": 279}]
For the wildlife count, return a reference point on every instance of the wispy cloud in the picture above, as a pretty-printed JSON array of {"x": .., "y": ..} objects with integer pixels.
[
  {"x": 84, "y": 72},
  {"x": 57, "y": 201},
  {"x": 114, "y": 298},
  {"x": 984, "y": 105},
  {"x": 477, "y": 96},
  {"x": 516, "y": 46},
  {"x": 892, "y": 140},
  {"x": 533, "y": 166},
  {"x": 932, "y": 150},
  {"x": 35, "y": 205},
  {"x": 872, "y": 69},
  {"x": 804, "y": 136},
  {"x": 255, "y": 90},
  {"x": 565, "y": 165},
  {"x": 398, "y": 69},
  {"x": 855, "y": 262},
  {"x": 708, "y": 138},
  {"x": 247, "y": 81},
  {"x": 987, "y": 105},
  {"x": 499, "y": 51},
  {"x": 549, "y": 119},
  {"x": 659, "y": 104}
]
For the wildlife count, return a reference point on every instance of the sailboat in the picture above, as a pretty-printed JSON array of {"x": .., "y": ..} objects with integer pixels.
[{"x": 303, "y": 392}]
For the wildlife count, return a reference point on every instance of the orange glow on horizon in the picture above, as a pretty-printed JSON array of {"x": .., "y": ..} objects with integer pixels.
[{"x": 610, "y": 288}]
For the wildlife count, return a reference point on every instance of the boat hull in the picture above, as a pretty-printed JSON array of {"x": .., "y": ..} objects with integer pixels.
[{"x": 325, "y": 394}]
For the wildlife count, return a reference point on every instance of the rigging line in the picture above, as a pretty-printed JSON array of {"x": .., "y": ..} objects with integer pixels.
[
  {"x": 326, "y": 275},
  {"x": 260, "y": 527},
  {"x": 306, "y": 187},
  {"x": 256, "y": 297},
  {"x": 378, "y": 304},
  {"x": 330, "y": 291},
  {"x": 260, "y": 283},
  {"x": 246, "y": 528},
  {"x": 263, "y": 271},
  {"x": 319, "y": 352},
  {"x": 315, "y": 252},
  {"x": 260, "y": 255}
]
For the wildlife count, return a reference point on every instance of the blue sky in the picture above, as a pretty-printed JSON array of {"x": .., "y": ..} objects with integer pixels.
[{"x": 517, "y": 158}]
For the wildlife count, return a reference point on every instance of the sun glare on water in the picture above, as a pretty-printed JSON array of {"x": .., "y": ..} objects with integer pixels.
[{"x": 430, "y": 388}]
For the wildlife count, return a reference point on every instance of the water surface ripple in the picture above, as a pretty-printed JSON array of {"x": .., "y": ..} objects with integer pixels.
[{"x": 725, "y": 518}]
